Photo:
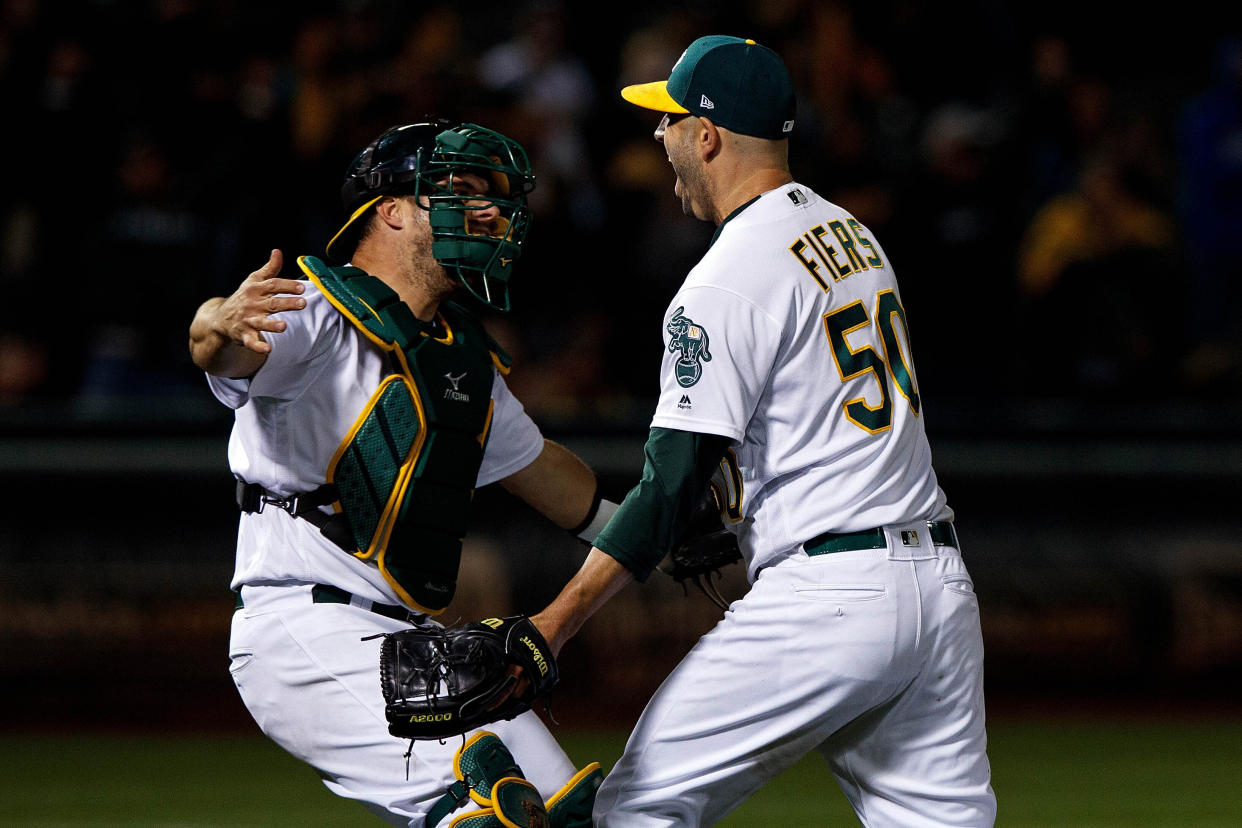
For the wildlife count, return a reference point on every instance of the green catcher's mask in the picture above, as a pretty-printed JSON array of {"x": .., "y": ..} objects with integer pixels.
[{"x": 428, "y": 160}]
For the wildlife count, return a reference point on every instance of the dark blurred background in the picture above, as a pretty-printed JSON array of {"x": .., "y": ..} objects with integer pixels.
[{"x": 1058, "y": 185}]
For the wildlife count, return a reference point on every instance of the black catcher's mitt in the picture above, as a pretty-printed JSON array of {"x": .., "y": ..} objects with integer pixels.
[
  {"x": 440, "y": 682},
  {"x": 705, "y": 547}
]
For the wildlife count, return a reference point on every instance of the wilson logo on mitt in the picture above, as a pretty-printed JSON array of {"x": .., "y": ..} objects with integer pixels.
[{"x": 536, "y": 655}]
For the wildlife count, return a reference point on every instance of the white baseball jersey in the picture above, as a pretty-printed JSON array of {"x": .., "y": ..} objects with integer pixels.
[
  {"x": 790, "y": 338},
  {"x": 307, "y": 671},
  {"x": 290, "y": 419}
]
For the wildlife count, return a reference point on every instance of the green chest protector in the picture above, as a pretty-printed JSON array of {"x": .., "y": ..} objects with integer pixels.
[{"x": 404, "y": 475}]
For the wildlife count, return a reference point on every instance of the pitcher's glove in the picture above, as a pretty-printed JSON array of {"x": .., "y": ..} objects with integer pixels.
[
  {"x": 704, "y": 548},
  {"x": 440, "y": 682}
]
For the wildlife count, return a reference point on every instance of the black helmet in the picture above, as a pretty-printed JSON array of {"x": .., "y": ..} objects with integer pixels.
[{"x": 421, "y": 159}]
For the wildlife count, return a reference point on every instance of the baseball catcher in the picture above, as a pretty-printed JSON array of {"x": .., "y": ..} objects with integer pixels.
[
  {"x": 440, "y": 682},
  {"x": 370, "y": 405}
]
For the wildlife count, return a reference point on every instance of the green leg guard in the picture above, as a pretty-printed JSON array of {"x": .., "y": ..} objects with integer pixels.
[
  {"x": 515, "y": 804},
  {"x": 570, "y": 807},
  {"x": 488, "y": 775},
  {"x": 482, "y": 762}
]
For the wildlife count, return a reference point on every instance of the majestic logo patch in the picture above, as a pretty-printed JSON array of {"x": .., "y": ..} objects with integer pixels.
[
  {"x": 453, "y": 393},
  {"x": 684, "y": 402},
  {"x": 692, "y": 341}
]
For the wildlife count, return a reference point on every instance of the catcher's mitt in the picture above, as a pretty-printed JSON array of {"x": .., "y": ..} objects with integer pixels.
[
  {"x": 704, "y": 548},
  {"x": 440, "y": 682}
]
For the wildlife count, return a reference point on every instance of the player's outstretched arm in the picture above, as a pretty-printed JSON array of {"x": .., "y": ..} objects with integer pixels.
[
  {"x": 600, "y": 578},
  {"x": 226, "y": 335},
  {"x": 654, "y": 516}
]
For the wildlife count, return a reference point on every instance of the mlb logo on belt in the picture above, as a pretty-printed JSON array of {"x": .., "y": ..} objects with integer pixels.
[{"x": 910, "y": 538}]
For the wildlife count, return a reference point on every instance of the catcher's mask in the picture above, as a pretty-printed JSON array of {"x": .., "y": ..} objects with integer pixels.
[{"x": 423, "y": 160}]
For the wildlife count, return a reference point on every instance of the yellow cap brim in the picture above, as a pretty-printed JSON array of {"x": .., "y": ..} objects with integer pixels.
[
  {"x": 653, "y": 96},
  {"x": 348, "y": 223}
]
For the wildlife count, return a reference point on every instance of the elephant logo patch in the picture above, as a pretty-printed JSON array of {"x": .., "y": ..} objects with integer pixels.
[{"x": 692, "y": 341}]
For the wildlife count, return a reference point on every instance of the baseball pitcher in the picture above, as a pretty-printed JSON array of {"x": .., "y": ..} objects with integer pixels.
[{"x": 788, "y": 386}]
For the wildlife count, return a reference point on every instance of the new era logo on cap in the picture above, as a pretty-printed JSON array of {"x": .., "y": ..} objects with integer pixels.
[{"x": 706, "y": 103}]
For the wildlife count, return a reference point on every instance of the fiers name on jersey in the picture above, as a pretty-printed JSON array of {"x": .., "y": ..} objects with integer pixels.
[{"x": 836, "y": 248}]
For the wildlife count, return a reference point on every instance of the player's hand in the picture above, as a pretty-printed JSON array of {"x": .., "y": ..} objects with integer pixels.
[
  {"x": 247, "y": 314},
  {"x": 522, "y": 682},
  {"x": 518, "y": 687}
]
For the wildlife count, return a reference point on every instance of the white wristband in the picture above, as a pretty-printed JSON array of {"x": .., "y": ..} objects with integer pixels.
[{"x": 603, "y": 513}]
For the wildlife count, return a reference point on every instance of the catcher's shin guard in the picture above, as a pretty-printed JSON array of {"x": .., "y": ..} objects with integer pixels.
[
  {"x": 570, "y": 807},
  {"x": 488, "y": 776},
  {"x": 515, "y": 804}
]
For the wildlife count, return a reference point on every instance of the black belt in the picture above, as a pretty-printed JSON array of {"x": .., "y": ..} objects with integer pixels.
[
  {"x": 941, "y": 531},
  {"x": 324, "y": 594}
]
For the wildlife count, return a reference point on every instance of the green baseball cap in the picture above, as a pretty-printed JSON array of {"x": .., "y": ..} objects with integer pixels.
[{"x": 735, "y": 83}]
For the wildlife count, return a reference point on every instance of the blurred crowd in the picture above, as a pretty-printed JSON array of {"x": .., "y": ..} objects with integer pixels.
[{"x": 1064, "y": 210}]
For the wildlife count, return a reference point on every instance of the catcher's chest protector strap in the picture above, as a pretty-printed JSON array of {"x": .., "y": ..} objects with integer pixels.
[{"x": 405, "y": 472}]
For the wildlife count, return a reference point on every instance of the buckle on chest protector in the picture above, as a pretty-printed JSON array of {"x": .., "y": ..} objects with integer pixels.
[{"x": 252, "y": 497}]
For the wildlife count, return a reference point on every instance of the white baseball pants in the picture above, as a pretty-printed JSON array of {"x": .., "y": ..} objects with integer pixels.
[
  {"x": 872, "y": 657},
  {"x": 312, "y": 685}
]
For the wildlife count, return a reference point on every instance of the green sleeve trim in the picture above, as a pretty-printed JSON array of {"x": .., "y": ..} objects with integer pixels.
[{"x": 677, "y": 468}]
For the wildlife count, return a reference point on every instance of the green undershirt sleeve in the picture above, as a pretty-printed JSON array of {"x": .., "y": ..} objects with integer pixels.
[{"x": 677, "y": 468}]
